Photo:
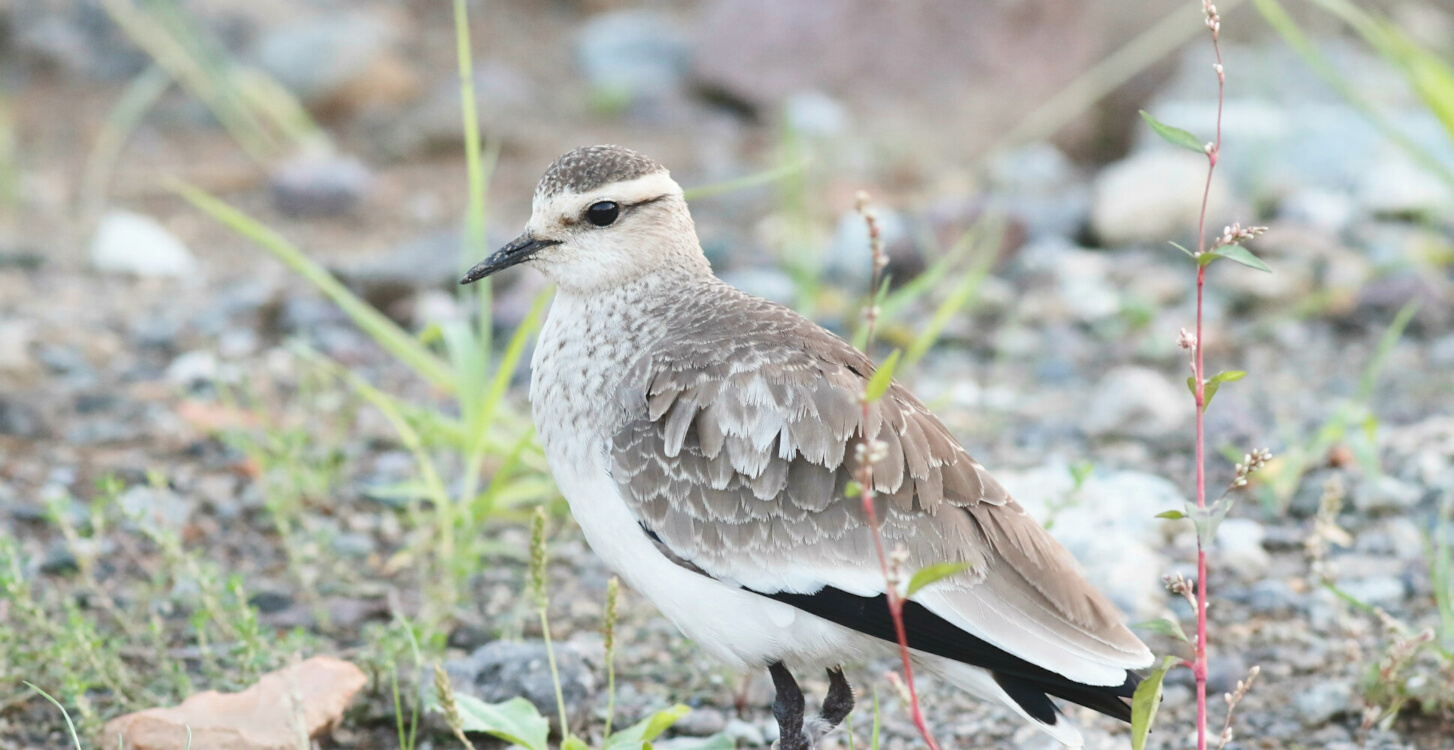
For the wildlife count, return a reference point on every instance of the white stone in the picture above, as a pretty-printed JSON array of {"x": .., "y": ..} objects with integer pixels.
[
  {"x": 1396, "y": 185},
  {"x": 1239, "y": 547},
  {"x": 135, "y": 244},
  {"x": 1109, "y": 525},
  {"x": 1152, "y": 197},
  {"x": 1138, "y": 402}
]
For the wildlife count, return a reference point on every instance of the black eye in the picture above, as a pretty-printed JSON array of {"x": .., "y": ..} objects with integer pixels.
[{"x": 603, "y": 214}]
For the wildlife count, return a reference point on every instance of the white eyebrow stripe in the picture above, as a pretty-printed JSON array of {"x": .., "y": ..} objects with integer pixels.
[{"x": 630, "y": 192}]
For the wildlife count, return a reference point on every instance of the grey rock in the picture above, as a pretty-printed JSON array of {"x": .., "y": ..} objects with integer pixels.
[
  {"x": 436, "y": 124},
  {"x": 633, "y": 54},
  {"x": 1239, "y": 542},
  {"x": 1324, "y": 701},
  {"x": 849, "y": 260},
  {"x": 1273, "y": 597},
  {"x": 1320, "y": 208},
  {"x": 814, "y": 113},
  {"x": 1150, "y": 196},
  {"x": 1398, "y": 186},
  {"x": 503, "y": 670},
  {"x": 1385, "y": 494},
  {"x": 747, "y": 734},
  {"x": 317, "y": 58},
  {"x": 1379, "y": 300},
  {"x": 1109, "y": 525},
  {"x": 156, "y": 510},
  {"x": 193, "y": 368},
  {"x": 1379, "y": 591},
  {"x": 130, "y": 243},
  {"x": 317, "y": 185},
  {"x": 354, "y": 544},
  {"x": 21, "y": 419},
  {"x": 701, "y": 722},
  {"x": 1137, "y": 402}
]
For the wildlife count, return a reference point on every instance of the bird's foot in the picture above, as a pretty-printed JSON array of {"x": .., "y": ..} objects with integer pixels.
[{"x": 793, "y": 733}]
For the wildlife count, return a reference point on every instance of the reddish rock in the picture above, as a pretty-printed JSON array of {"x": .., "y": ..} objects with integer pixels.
[{"x": 306, "y": 699}]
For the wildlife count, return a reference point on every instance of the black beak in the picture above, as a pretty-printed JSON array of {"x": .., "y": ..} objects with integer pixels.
[{"x": 518, "y": 251}]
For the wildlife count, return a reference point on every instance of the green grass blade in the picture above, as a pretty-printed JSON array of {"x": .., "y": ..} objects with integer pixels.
[
  {"x": 1278, "y": 18},
  {"x": 69, "y": 724},
  {"x": 963, "y": 293},
  {"x": 378, "y": 326},
  {"x": 1386, "y": 342},
  {"x": 766, "y": 176}
]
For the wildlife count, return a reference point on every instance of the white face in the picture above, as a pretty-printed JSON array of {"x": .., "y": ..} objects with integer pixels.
[{"x": 651, "y": 224}]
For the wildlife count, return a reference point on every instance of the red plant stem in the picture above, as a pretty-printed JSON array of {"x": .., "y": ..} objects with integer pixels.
[
  {"x": 896, "y": 606},
  {"x": 1199, "y": 664},
  {"x": 865, "y": 480}
]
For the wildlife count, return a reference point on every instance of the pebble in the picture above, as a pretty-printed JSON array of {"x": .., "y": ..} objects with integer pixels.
[
  {"x": 21, "y": 419},
  {"x": 747, "y": 734},
  {"x": 1386, "y": 495},
  {"x": 345, "y": 60},
  {"x": 701, "y": 722},
  {"x": 1150, "y": 197},
  {"x": 1396, "y": 186},
  {"x": 632, "y": 54},
  {"x": 502, "y": 670},
  {"x": 1379, "y": 591},
  {"x": 1138, "y": 402},
  {"x": 1272, "y": 597},
  {"x": 1110, "y": 526},
  {"x": 849, "y": 262},
  {"x": 193, "y": 368},
  {"x": 157, "y": 510},
  {"x": 1240, "y": 548},
  {"x": 131, "y": 243},
  {"x": 1323, "y": 701},
  {"x": 314, "y": 185},
  {"x": 814, "y": 113}
]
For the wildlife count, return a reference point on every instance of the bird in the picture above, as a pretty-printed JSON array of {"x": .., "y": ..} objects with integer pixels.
[{"x": 707, "y": 441}]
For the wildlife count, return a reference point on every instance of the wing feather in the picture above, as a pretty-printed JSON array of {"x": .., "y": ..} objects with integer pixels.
[{"x": 737, "y": 453}]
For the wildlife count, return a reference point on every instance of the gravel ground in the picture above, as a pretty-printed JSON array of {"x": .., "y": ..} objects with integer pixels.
[{"x": 159, "y": 363}]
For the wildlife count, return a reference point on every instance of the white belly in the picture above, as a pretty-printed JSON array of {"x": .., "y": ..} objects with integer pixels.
[{"x": 738, "y": 627}]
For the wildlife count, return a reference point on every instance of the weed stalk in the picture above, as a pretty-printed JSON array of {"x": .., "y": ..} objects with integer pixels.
[{"x": 869, "y": 451}]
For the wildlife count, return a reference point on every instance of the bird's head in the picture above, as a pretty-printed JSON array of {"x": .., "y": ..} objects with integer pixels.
[{"x": 602, "y": 216}]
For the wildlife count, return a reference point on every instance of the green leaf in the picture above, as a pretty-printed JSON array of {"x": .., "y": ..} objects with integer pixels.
[
  {"x": 852, "y": 489},
  {"x": 1172, "y": 514},
  {"x": 1172, "y": 135},
  {"x": 1189, "y": 253},
  {"x": 1165, "y": 627},
  {"x": 1215, "y": 384},
  {"x": 1081, "y": 471},
  {"x": 1241, "y": 255},
  {"x": 936, "y": 572},
  {"x": 1207, "y": 520},
  {"x": 516, "y": 720},
  {"x": 638, "y": 735},
  {"x": 878, "y": 385},
  {"x": 574, "y": 743},
  {"x": 1191, "y": 384},
  {"x": 1145, "y": 702}
]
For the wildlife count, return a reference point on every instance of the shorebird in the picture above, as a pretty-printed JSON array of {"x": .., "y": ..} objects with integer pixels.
[{"x": 705, "y": 440}]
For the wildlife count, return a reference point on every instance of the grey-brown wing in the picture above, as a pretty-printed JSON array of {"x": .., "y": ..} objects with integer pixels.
[{"x": 738, "y": 455}]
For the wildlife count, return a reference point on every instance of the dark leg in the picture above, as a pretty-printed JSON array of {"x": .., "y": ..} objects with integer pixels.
[
  {"x": 839, "y": 701},
  {"x": 788, "y": 708}
]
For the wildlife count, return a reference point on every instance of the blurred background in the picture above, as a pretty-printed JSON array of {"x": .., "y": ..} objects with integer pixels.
[{"x": 247, "y": 417}]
